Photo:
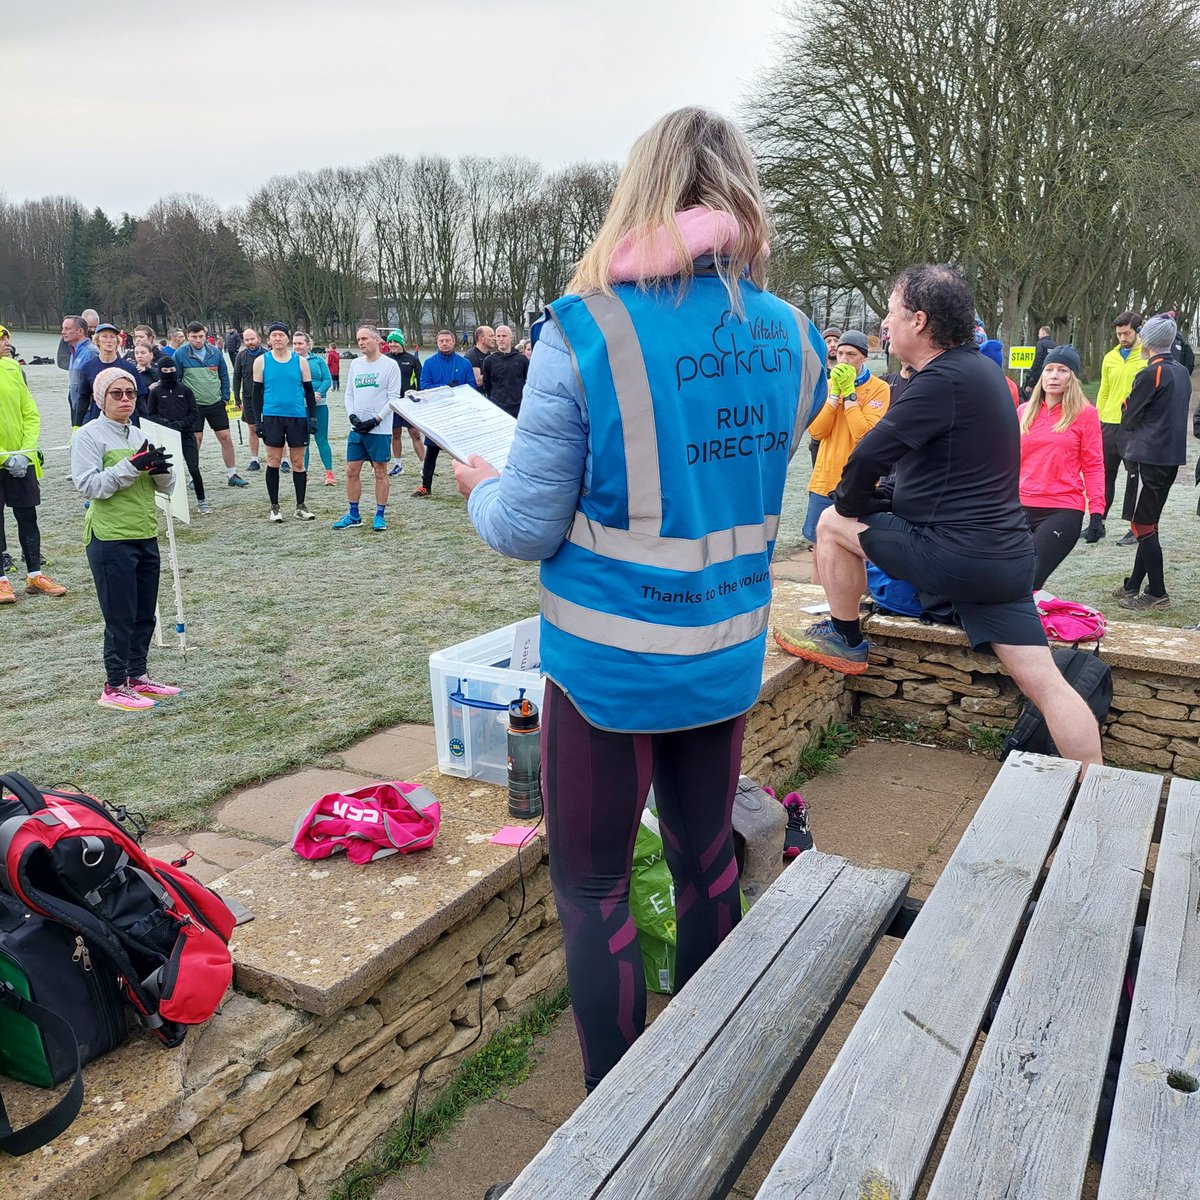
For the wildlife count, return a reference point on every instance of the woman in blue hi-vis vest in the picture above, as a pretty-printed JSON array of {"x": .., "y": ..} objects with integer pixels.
[{"x": 666, "y": 395}]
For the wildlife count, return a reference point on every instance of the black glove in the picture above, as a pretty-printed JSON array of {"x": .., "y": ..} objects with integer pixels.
[
  {"x": 312, "y": 424},
  {"x": 159, "y": 461},
  {"x": 143, "y": 457},
  {"x": 363, "y": 424},
  {"x": 259, "y": 430}
]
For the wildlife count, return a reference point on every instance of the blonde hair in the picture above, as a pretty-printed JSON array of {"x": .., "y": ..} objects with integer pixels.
[
  {"x": 690, "y": 158},
  {"x": 1073, "y": 403}
]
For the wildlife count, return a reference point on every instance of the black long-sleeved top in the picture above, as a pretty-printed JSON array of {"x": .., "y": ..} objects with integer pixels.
[
  {"x": 1044, "y": 346},
  {"x": 174, "y": 406},
  {"x": 1155, "y": 413},
  {"x": 955, "y": 445},
  {"x": 243, "y": 374},
  {"x": 504, "y": 379}
]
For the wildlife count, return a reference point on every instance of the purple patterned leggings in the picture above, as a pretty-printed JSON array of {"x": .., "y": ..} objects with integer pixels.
[{"x": 595, "y": 785}]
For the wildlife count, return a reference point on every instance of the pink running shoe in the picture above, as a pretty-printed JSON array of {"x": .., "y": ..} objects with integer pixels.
[
  {"x": 124, "y": 698},
  {"x": 798, "y": 837},
  {"x": 145, "y": 686}
]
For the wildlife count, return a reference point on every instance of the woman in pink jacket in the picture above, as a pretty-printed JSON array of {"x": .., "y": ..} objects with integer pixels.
[{"x": 1062, "y": 460}]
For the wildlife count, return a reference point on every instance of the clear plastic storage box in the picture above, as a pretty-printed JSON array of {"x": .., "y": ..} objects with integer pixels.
[{"x": 471, "y": 741}]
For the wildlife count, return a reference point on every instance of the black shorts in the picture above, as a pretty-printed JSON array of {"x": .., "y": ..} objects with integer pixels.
[
  {"x": 249, "y": 412},
  {"x": 992, "y": 596},
  {"x": 1154, "y": 485},
  {"x": 284, "y": 431},
  {"x": 215, "y": 415},
  {"x": 19, "y": 493}
]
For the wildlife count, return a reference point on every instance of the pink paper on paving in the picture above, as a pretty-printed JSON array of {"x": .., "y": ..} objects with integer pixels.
[{"x": 513, "y": 835}]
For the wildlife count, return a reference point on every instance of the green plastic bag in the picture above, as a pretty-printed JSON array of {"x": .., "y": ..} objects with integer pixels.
[{"x": 652, "y": 902}]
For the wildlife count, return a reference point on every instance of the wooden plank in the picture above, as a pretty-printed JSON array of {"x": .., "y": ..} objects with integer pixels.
[
  {"x": 706, "y": 1132},
  {"x": 585, "y": 1150},
  {"x": 871, "y": 1125},
  {"x": 1025, "y": 1124},
  {"x": 1154, "y": 1142}
]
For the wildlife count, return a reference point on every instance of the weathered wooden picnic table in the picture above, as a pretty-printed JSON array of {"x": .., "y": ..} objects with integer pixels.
[{"x": 679, "y": 1116}]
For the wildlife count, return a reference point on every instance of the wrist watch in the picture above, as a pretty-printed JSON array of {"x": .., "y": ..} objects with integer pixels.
[{"x": 852, "y": 398}]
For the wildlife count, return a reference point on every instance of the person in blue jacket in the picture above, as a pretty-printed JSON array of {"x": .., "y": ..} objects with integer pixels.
[
  {"x": 443, "y": 369},
  {"x": 665, "y": 397}
]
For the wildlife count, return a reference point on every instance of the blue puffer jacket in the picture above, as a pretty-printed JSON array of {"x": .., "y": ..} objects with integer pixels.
[{"x": 527, "y": 512}]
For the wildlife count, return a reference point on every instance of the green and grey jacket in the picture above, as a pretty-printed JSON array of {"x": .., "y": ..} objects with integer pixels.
[{"x": 121, "y": 497}]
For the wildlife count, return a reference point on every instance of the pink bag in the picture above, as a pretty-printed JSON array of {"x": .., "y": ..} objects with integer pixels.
[
  {"x": 1069, "y": 622},
  {"x": 370, "y": 823}
]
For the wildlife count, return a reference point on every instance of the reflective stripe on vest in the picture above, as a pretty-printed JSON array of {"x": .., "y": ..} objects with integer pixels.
[
  {"x": 632, "y": 387},
  {"x": 676, "y": 554},
  {"x": 650, "y": 637}
]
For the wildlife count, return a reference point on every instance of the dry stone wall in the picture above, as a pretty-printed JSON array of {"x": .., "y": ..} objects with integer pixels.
[{"x": 929, "y": 677}]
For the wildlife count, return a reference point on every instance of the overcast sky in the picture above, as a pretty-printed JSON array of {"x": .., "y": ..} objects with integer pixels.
[{"x": 121, "y": 104}]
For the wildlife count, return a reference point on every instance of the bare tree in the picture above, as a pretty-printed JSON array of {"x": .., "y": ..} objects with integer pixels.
[{"x": 998, "y": 134}]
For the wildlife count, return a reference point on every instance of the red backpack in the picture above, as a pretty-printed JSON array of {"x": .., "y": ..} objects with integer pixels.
[{"x": 69, "y": 857}]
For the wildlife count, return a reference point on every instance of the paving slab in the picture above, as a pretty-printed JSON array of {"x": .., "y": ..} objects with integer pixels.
[
  {"x": 402, "y": 752},
  {"x": 270, "y": 810},
  {"x": 555, "y": 1089},
  {"x": 226, "y": 851},
  {"x": 491, "y": 1144},
  {"x": 891, "y": 805},
  {"x": 171, "y": 850}
]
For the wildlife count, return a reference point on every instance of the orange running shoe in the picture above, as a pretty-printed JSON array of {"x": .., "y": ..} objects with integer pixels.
[
  {"x": 7, "y": 596},
  {"x": 821, "y": 643},
  {"x": 44, "y": 584}
]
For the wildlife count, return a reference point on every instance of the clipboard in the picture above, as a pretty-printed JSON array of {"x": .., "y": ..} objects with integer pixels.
[{"x": 461, "y": 421}]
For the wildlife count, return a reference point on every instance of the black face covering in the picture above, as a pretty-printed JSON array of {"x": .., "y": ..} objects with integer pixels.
[{"x": 168, "y": 376}]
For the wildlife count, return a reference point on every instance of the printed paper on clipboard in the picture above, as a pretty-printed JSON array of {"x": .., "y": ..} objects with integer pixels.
[{"x": 461, "y": 421}]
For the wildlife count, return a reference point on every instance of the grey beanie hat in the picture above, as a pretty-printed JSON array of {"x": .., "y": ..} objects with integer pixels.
[
  {"x": 852, "y": 337},
  {"x": 1159, "y": 333}
]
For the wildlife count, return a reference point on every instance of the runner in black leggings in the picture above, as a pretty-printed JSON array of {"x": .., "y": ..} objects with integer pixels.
[
  {"x": 596, "y": 787},
  {"x": 1154, "y": 424},
  {"x": 1062, "y": 460}
]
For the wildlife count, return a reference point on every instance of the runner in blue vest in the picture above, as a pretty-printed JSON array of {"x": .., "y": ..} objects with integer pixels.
[
  {"x": 653, "y": 507},
  {"x": 286, "y": 406}
]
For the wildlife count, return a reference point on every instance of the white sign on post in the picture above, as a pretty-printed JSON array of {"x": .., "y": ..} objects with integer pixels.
[
  {"x": 171, "y": 441},
  {"x": 174, "y": 505}
]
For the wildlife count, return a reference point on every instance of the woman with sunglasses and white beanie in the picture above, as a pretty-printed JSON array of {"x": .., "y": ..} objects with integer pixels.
[{"x": 118, "y": 473}]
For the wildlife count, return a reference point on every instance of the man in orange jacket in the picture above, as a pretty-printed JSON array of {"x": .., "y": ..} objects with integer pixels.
[{"x": 856, "y": 401}]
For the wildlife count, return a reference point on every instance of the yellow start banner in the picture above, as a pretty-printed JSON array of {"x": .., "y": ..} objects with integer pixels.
[{"x": 1020, "y": 358}]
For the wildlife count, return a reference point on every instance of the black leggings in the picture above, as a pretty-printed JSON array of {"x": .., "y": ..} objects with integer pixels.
[
  {"x": 596, "y": 784},
  {"x": 1110, "y": 433},
  {"x": 126, "y": 575},
  {"x": 28, "y": 535},
  {"x": 1155, "y": 484},
  {"x": 432, "y": 450},
  {"x": 191, "y": 458},
  {"x": 1055, "y": 532}
]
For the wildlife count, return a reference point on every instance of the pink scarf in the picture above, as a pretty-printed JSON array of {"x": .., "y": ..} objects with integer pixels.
[{"x": 703, "y": 230}]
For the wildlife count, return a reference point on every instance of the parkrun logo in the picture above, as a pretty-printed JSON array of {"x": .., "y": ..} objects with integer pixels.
[{"x": 731, "y": 357}]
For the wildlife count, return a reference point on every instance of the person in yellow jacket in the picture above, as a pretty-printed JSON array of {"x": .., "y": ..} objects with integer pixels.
[
  {"x": 1117, "y": 372},
  {"x": 856, "y": 401},
  {"x": 20, "y": 470}
]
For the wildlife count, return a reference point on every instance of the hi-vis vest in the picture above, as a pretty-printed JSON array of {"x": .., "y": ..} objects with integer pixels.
[{"x": 654, "y": 608}]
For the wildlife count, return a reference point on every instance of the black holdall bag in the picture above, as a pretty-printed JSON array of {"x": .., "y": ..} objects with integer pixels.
[
  {"x": 1089, "y": 675},
  {"x": 60, "y": 1007}
]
